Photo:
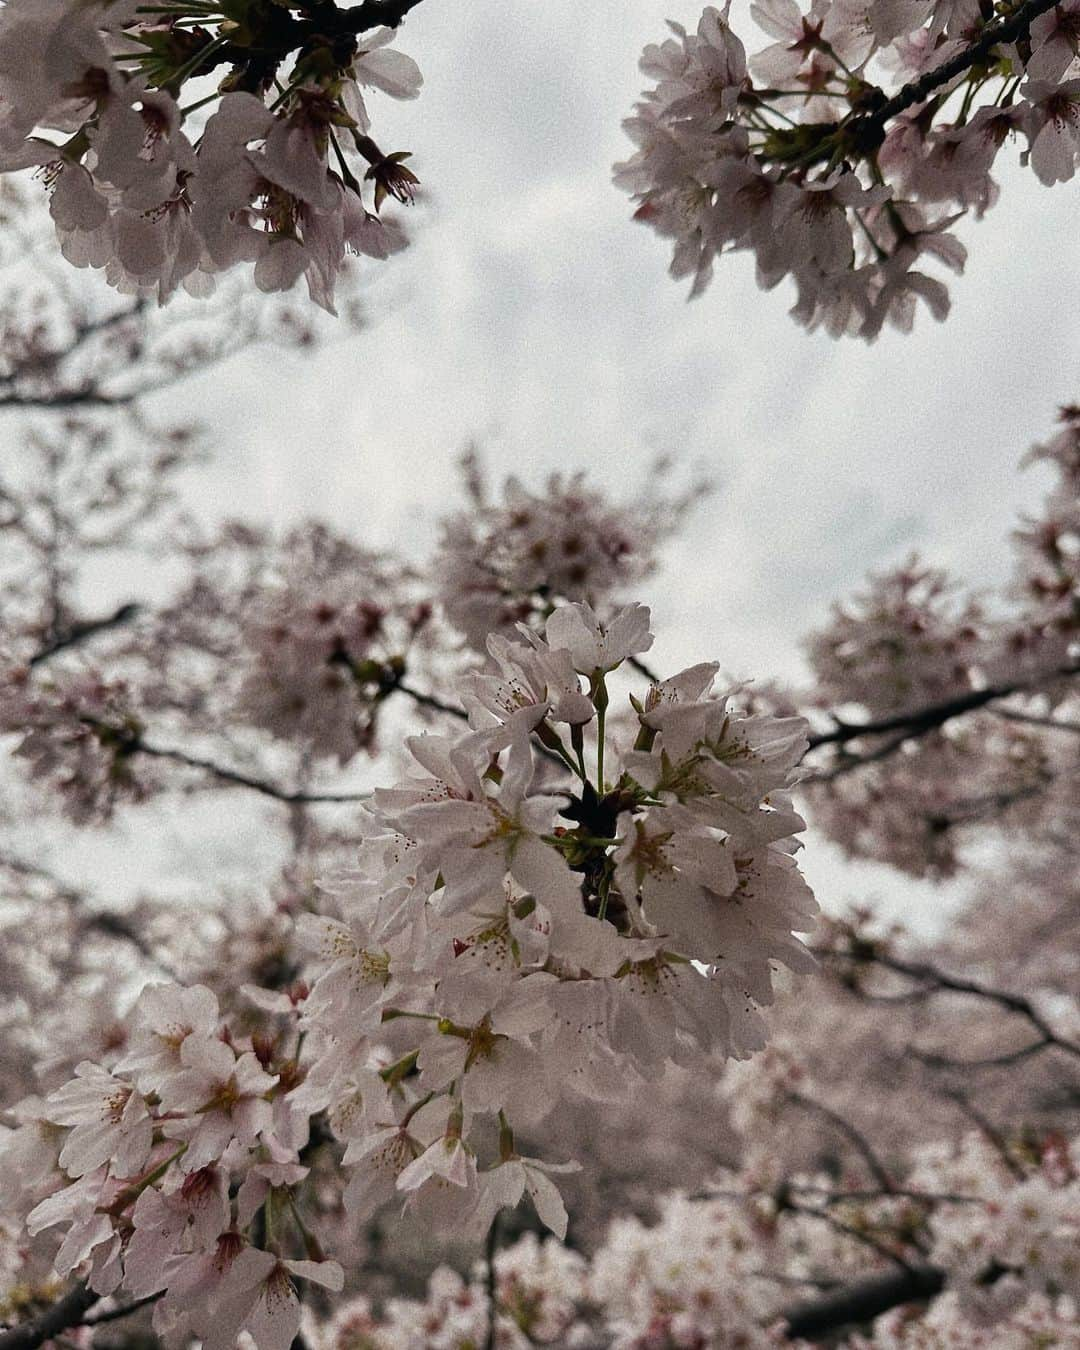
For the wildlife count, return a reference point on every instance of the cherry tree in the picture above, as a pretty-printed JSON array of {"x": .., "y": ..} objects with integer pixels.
[
  {"x": 535, "y": 971},
  {"x": 196, "y": 137},
  {"x": 570, "y": 896}
]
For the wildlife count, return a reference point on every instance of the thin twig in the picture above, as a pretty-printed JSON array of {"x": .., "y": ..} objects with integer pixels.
[
  {"x": 1016, "y": 1003},
  {"x": 832, "y": 1197},
  {"x": 936, "y": 1061},
  {"x": 861, "y": 1144},
  {"x": 430, "y": 701},
  {"x": 993, "y": 1135},
  {"x": 642, "y": 669},
  {"x": 105, "y": 921},
  {"x": 1034, "y": 720},
  {"x": 87, "y": 396},
  {"x": 932, "y": 980},
  {"x": 974, "y": 808},
  {"x": 115, "y": 1314},
  {"x": 237, "y": 779},
  {"x": 848, "y": 1230},
  {"x": 437, "y": 705},
  {"x": 79, "y": 632},
  {"x": 849, "y": 763},
  {"x": 491, "y": 1247}
]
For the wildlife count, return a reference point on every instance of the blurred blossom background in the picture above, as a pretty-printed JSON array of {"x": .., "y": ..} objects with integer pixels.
[
  {"x": 531, "y": 329},
  {"x": 532, "y": 318}
]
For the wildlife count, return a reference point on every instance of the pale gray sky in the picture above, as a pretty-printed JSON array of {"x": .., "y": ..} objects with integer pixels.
[{"x": 533, "y": 314}]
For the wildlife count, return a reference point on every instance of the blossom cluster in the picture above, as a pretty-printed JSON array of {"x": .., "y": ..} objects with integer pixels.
[
  {"x": 1020, "y": 1240},
  {"x": 504, "y": 563},
  {"x": 973, "y": 696},
  {"x": 513, "y": 942},
  {"x": 265, "y": 178},
  {"x": 297, "y": 641},
  {"x": 75, "y": 732},
  {"x": 323, "y": 643},
  {"x": 134, "y": 1164},
  {"x": 539, "y": 1291},
  {"x": 1046, "y": 585},
  {"x": 539, "y": 913},
  {"x": 718, "y": 1269},
  {"x": 902, "y": 645},
  {"x": 842, "y": 151}
]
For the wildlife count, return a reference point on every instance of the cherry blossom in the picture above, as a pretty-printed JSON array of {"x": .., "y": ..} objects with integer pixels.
[
  {"x": 835, "y": 152},
  {"x": 159, "y": 197}
]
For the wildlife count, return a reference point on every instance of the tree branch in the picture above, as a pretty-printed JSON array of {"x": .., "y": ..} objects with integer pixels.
[
  {"x": 108, "y": 922},
  {"x": 859, "y": 1141},
  {"x": 870, "y": 129},
  {"x": 642, "y": 669},
  {"x": 430, "y": 701},
  {"x": 81, "y": 631},
  {"x": 376, "y": 14},
  {"x": 934, "y": 715},
  {"x": 88, "y": 396},
  {"x": 115, "y": 1314},
  {"x": 974, "y": 808},
  {"x": 236, "y": 778},
  {"x": 882, "y": 1249},
  {"x": 993, "y": 1135},
  {"x": 65, "y": 1313},
  {"x": 1032, "y": 719},
  {"x": 934, "y": 981},
  {"x": 437, "y": 705},
  {"x": 862, "y": 1300}
]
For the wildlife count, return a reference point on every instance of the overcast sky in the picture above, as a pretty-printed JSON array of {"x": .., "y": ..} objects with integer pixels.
[{"x": 531, "y": 313}]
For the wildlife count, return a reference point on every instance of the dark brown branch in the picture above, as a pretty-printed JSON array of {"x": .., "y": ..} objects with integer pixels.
[
  {"x": 933, "y": 980},
  {"x": 1034, "y": 720},
  {"x": 642, "y": 669},
  {"x": 65, "y": 1313},
  {"x": 30, "y": 369},
  {"x": 848, "y": 1230},
  {"x": 437, "y": 705},
  {"x": 430, "y": 701},
  {"x": 862, "y": 1301},
  {"x": 849, "y": 762},
  {"x": 88, "y": 396},
  {"x": 934, "y": 715},
  {"x": 115, "y": 1314},
  {"x": 936, "y": 1061},
  {"x": 974, "y": 808},
  {"x": 993, "y": 1135},
  {"x": 236, "y": 778},
  {"x": 833, "y": 1197},
  {"x": 108, "y": 922},
  {"x": 870, "y": 129},
  {"x": 858, "y": 1140},
  {"x": 376, "y": 14},
  {"x": 78, "y": 633}
]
